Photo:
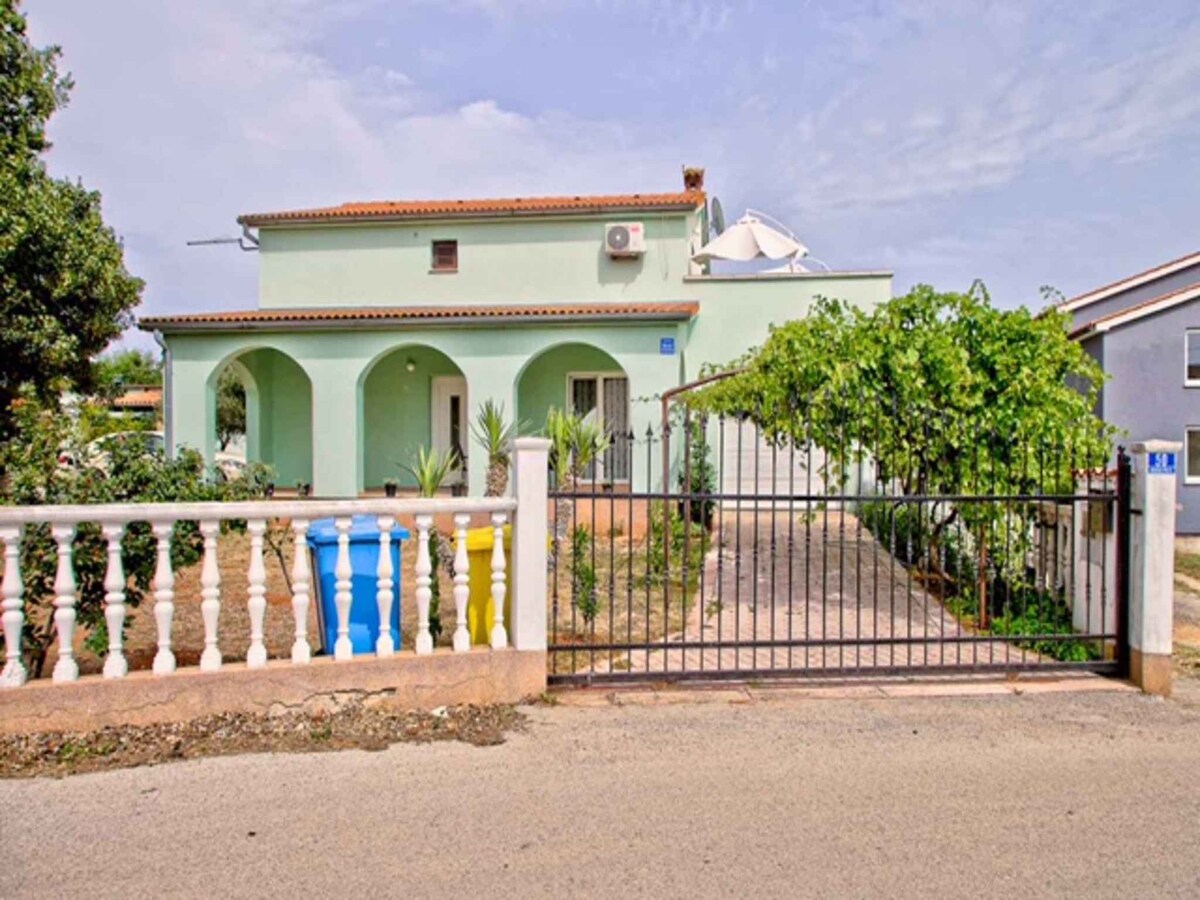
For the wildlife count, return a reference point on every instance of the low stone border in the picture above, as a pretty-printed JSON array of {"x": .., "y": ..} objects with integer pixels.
[{"x": 404, "y": 681}]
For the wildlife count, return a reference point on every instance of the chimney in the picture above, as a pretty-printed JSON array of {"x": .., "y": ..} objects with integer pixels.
[{"x": 693, "y": 178}]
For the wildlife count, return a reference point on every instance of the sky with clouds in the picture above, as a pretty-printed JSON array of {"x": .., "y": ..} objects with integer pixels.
[{"x": 1024, "y": 143}]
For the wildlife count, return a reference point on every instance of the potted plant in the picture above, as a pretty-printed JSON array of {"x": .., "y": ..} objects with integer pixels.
[
  {"x": 494, "y": 435},
  {"x": 303, "y": 489},
  {"x": 269, "y": 490},
  {"x": 389, "y": 487}
]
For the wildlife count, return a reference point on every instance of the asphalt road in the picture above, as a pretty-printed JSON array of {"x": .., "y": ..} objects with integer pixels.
[{"x": 717, "y": 795}]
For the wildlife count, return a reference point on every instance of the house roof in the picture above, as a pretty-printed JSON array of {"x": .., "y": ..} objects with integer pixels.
[
  {"x": 1108, "y": 290},
  {"x": 334, "y": 318},
  {"x": 139, "y": 398},
  {"x": 1140, "y": 311},
  {"x": 386, "y": 210}
]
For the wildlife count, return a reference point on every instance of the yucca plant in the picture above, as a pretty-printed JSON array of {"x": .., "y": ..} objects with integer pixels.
[
  {"x": 430, "y": 473},
  {"x": 432, "y": 470},
  {"x": 575, "y": 444},
  {"x": 494, "y": 435}
]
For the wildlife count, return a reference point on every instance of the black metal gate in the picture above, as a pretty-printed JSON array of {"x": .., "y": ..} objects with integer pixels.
[{"x": 724, "y": 555}]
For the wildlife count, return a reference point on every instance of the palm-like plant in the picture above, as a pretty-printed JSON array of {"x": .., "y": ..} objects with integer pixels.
[
  {"x": 575, "y": 444},
  {"x": 494, "y": 434},
  {"x": 430, "y": 473},
  {"x": 432, "y": 470}
]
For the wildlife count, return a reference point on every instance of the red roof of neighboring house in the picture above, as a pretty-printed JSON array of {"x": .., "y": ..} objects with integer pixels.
[
  {"x": 333, "y": 317},
  {"x": 506, "y": 206},
  {"x": 139, "y": 398}
]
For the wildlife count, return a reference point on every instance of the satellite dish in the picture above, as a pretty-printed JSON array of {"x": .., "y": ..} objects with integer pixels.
[{"x": 717, "y": 217}]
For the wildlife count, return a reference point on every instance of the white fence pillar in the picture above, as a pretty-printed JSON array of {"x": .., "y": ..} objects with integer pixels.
[
  {"x": 1152, "y": 564},
  {"x": 531, "y": 458}
]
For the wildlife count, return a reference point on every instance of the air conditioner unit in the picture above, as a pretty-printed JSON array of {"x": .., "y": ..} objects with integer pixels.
[{"x": 625, "y": 239}]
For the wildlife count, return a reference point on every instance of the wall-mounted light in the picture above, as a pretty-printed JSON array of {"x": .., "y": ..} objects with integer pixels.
[{"x": 410, "y": 365}]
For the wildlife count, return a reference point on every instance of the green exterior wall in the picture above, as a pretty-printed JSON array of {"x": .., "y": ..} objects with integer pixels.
[
  {"x": 396, "y": 412},
  {"x": 365, "y": 412},
  {"x": 278, "y": 414},
  {"x": 543, "y": 383},
  {"x": 505, "y": 261}
]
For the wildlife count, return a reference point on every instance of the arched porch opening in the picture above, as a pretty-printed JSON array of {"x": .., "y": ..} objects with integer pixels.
[
  {"x": 412, "y": 396},
  {"x": 273, "y": 409},
  {"x": 582, "y": 379}
]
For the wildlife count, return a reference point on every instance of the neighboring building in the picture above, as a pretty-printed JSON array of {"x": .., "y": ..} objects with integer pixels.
[
  {"x": 139, "y": 400},
  {"x": 382, "y": 327},
  {"x": 1145, "y": 332}
]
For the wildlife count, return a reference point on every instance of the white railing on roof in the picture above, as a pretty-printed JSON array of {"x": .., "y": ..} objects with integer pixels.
[{"x": 114, "y": 519}]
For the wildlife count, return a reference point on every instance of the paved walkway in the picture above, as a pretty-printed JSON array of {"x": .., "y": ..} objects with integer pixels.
[
  {"x": 1060, "y": 795},
  {"x": 837, "y": 584}
]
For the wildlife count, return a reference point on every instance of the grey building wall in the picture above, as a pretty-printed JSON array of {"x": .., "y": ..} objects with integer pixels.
[
  {"x": 1145, "y": 394},
  {"x": 1134, "y": 296}
]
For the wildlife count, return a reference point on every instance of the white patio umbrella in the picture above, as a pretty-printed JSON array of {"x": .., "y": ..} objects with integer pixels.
[{"x": 750, "y": 238}]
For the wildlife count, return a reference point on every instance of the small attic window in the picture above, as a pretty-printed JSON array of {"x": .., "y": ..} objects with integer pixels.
[{"x": 444, "y": 256}]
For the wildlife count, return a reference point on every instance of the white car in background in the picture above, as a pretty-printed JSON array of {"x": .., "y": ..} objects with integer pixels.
[{"x": 97, "y": 454}]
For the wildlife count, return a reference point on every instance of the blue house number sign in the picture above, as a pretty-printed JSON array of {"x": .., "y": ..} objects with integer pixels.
[
  {"x": 1161, "y": 463},
  {"x": 666, "y": 346}
]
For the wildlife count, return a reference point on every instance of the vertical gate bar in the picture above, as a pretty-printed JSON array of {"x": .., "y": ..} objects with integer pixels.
[
  {"x": 704, "y": 511},
  {"x": 825, "y": 488},
  {"x": 842, "y": 459},
  {"x": 774, "y": 548},
  {"x": 754, "y": 573},
  {"x": 612, "y": 549},
  {"x": 875, "y": 541},
  {"x": 629, "y": 551},
  {"x": 649, "y": 539},
  {"x": 576, "y": 496},
  {"x": 598, "y": 472},
  {"x": 720, "y": 536},
  {"x": 1106, "y": 511},
  {"x": 808, "y": 518},
  {"x": 1123, "y": 532},
  {"x": 666, "y": 536},
  {"x": 858, "y": 591},
  {"x": 686, "y": 494},
  {"x": 737, "y": 557},
  {"x": 554, "y": 609},
  {"x": 791, "y": 544},
  {"x": 1087, "y": 547}
]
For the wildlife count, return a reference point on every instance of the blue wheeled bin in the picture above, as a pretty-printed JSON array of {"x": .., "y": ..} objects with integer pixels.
[{"x": 364, "y": 560}]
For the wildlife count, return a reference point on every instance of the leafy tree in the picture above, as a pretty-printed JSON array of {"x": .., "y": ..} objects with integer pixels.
[
  {"x": 942, "y": 392},
  {"x": 64, "y": 290},
  {"x": 231, "y": 407},
  {"x": 116, "y": 371}
]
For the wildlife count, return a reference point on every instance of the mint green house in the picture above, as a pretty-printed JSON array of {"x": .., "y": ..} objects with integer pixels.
[{"x": 381, "y": 328}]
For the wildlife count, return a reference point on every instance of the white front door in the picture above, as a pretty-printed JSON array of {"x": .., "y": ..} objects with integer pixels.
[{"x": 449, "y": 411}]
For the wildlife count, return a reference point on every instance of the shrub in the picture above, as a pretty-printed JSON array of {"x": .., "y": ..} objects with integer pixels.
[
  {"x": 583, "y": 575},
  {"x": 661, "y": 556},
  {"x": 33, "y": 476}
]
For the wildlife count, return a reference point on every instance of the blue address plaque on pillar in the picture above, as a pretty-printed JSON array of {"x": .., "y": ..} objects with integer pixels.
[
  {"x": 666, "y": 346},
  {"x": 1160, "y": 463}
]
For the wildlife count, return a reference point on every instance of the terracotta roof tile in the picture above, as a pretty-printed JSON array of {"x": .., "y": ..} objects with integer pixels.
[
  {"x": 139, "y": 398},
  {"x": 405, "y": 209},
  {"x": 421, "y": 315}
]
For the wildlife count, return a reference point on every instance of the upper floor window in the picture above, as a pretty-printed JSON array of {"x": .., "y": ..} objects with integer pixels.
[
  {"x": 1192, "y": 352},
  {"x": 445, "y": 256}
]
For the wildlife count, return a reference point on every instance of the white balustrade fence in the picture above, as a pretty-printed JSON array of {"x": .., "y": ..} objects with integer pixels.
[{"x": 115, "y": 519}]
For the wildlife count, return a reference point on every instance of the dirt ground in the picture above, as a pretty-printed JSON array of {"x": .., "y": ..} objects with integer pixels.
[{"x": 233, "y": 623}]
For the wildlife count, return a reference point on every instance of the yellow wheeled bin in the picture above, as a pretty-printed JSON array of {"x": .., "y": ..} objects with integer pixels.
[{"x": 481, "y": 610}]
